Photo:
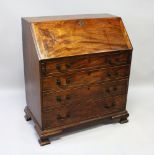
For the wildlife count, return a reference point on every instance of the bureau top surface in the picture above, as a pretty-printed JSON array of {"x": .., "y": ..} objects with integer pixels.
[{"x": 63, "y": 36}]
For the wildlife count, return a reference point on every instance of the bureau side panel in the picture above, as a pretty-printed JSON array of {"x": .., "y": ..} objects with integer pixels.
[{"x": 32, "y": 72}]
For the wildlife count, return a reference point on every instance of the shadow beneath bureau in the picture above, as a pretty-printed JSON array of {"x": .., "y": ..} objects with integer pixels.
[
  {"x": 48, "y": 135},
  {"x": 83, "y": 127}
]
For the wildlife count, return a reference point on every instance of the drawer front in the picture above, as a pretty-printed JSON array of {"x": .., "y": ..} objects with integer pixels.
[
  {"x": 64, "y": 65},
  {"x": 58, "y": 117},
  {"x": 67, "y": 81},
  {"x": 86, "y": 93}
]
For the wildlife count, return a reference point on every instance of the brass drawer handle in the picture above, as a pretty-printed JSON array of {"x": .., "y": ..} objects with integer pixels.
[
  {"x": 59, "y": 99},
  {"x": 58, "y": 82},
  {"x": 110, "y": 106},
  {"x": 68, "y": 80},
  {"x": 61, "y": 118},
  {"x": 59, "y": 68},
  {"x": 115, "y": 74},
  {"x": 116, "y": 62},
  {"x": 113, "y": 88}
]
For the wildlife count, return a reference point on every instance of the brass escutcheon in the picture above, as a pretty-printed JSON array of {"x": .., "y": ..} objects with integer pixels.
[{"x": 81, "y": 23}]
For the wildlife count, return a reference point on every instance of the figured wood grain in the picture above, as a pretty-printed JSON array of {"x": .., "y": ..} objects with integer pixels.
[
  {"x": 61, "y": 66},
  {"x": 88, "y": 77},
  {"x": 84, "y": 94},
  {"x": 87, "y": 110},
  {"x": 61, "y": 38}
]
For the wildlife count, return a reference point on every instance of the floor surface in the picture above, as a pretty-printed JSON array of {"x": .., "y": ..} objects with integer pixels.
[{"x": 18, "y": 137}]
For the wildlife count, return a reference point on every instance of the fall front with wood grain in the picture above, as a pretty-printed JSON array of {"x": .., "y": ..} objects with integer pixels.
[{"x": 76, "y": 71}]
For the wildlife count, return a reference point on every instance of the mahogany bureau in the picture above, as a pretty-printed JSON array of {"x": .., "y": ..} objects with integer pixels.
[{"x": 76, "y": 71}]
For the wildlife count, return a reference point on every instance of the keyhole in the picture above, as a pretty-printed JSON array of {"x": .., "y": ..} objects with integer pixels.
[{"x": 81, "y": 23}]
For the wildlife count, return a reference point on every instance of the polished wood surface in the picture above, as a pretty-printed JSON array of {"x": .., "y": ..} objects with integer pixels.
[
  {"x": 77, "y": 71},
  {"x": 71, "y": 80},
  {"x": 89, "y": 93},
  {"x": 63, "y": 38},
  {"x": 32, "y": 73},
  {"x": 68, "y": 114},
  {"x": 85, "y": 62}
]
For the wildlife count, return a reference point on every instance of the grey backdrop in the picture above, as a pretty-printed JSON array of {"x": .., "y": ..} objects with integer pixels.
[
  {"x": 136, "y": 14},
  {"x": 138, "y": 19}
]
